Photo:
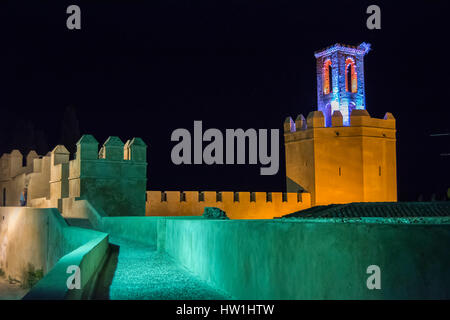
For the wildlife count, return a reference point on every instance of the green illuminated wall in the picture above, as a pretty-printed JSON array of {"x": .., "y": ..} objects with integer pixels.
[{"x": 275, "y": 259}]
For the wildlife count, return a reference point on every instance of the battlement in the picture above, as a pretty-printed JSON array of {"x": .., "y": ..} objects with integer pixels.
[
  {"x": 237, "y": 205},
  {"x": 113, "y": 149},
  {"x": 15, "y": 175},
  {"x": 12, "y": 165},
  {"x": 113, "y": 178},
  {"x": 112, "y": 160},
  {"x": 339, "y": 163},
  {"x": 361, "y": 124}
]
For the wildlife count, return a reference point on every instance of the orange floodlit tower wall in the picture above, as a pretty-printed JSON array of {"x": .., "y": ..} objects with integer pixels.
[{"x": 343, "y": 158}]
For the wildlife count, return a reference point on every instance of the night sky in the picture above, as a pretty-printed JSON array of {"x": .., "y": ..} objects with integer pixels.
[{"x": 146, "y": 68}]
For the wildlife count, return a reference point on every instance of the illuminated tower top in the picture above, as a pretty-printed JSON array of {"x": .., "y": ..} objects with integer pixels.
[{"x": 340, "y": 80}]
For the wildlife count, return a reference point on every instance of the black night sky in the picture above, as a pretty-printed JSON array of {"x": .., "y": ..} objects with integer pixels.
[{"x": 146, "y": 68}]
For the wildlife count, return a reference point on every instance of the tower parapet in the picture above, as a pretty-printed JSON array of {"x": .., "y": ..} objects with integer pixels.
[
  {"x": 341, "y": 164},
  {"x": 337, "y": 119},
  {"x": 113, "y": 179},
  {"x": 87, "y": 148},
  {"x": 11, "y": 164},
  {"x": 15, "y": 176},
  {"x": 315, "y": 119}
]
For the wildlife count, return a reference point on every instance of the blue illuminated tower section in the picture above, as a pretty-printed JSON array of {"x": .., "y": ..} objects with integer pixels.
[{"x": 340, "y": 80}]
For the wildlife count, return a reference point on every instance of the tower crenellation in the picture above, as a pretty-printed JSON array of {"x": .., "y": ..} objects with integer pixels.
[
  {"x": 87, "y": 148},
  {"x": 300, "y": 122},
  {"x": 289, "y": 125},
  {"x": 137, "y": 150},
  {"x": 113, "y": 149},
  {"x": 337, "y": 119},
  {"x": 113, "y": 178}
]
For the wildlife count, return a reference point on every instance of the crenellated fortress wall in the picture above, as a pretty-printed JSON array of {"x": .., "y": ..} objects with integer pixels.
[
  {"x": 342, "y": 164},
  {"x": 237, "y": 205},
  {"x": 15, "y": 175},
  {"x": 112, "y": 179},
  {"x": 324, "y": 165}
]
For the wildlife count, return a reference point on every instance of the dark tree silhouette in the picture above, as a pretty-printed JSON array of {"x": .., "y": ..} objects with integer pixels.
[
  {"x": 23, "y": 136},
  {"x": 41, "y": 143},
  {"x": 70, "y": 130},
  {"x": 6, "y": 130},
  {"x": 3, "y": 141}
]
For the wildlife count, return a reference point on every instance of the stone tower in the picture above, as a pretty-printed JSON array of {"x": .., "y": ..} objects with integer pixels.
[
  {"x": 114, "y": 179},
  {"x": 340, "y": 80},
  {"x": 339, "y": 153}
]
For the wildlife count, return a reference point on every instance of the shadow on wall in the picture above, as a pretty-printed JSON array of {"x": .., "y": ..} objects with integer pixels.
[{"x": 105, "y": 278}]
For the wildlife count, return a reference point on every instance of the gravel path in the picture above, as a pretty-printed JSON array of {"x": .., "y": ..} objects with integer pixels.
[{"x": 139, "y": 272}]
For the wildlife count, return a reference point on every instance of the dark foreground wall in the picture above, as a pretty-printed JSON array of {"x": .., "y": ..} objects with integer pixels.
[{"x": 276, "y": 259}]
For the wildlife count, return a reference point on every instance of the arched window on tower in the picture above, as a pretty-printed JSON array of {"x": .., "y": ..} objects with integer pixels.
[
  {"x": 351, "y": 79},
  {"x": 327, "y": 77},
  {"x": 330, "y": 77}
]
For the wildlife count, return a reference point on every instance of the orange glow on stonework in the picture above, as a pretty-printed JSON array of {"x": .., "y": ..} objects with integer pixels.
[
  {"x": 349, "y": 63},
  {"x": 326, "y": 77}
]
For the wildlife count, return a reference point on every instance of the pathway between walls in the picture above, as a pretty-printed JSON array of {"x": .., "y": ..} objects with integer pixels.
[{"x": 138, "y": 272}]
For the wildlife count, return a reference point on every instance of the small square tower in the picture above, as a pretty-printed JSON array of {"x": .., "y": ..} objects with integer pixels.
[{"x": 340, "y": 80}]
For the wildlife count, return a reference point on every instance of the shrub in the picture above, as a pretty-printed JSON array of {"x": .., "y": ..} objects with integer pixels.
[
  {"x": 32, "y": 276},
  {"x": 214, "y": 213}
]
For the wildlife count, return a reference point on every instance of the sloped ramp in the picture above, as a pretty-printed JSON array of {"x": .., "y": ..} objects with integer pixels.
[{"x": 139, "y": 272}]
